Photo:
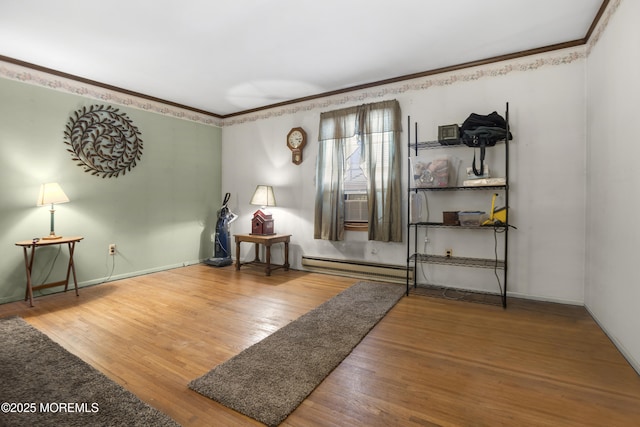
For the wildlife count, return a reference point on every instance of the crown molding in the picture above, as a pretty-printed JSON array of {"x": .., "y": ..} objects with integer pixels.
[
  {"x": 25, "y": 72},
  {"x": 557, "y": 54}
]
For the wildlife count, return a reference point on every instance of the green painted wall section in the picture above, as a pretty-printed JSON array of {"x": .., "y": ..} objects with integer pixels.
[{"x": 160, "y": 215}]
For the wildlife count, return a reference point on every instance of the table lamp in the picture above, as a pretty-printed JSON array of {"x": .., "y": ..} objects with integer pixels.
[
  {"x": 51, "y": 193},
  {"x": 262, "y": 222}
]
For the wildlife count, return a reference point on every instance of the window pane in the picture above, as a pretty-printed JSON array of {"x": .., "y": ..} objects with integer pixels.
[{"x": 355, "y": 180}]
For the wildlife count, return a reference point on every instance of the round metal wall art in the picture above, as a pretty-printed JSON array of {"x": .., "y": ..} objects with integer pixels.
[{"x": 103, "y": 140}]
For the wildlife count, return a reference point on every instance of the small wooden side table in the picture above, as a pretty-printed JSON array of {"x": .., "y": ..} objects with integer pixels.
[
  {"x": 28, "y": 262},
  {"x": 267, "y": 241}
]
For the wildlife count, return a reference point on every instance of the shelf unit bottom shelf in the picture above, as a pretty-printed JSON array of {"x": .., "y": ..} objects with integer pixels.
[
  {"x": 458, "y": 261},
  {"x": 455, "y": 294}
]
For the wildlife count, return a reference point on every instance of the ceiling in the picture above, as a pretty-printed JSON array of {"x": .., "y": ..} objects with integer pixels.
[{"x": 229, "y": 56}]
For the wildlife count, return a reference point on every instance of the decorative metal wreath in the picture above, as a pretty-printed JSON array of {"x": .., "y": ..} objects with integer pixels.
[{"x": 103, "y": 140}]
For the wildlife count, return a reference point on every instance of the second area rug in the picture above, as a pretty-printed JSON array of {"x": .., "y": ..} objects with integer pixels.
[{"x": 268, "y": 380}]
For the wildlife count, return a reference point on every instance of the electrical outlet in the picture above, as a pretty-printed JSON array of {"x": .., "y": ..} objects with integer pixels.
[
  {"x": 448, "y": 253},
  {"x": 112, "y": 249}
]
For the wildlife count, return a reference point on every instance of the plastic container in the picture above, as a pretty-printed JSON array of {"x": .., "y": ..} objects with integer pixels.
[
  {"x": 441, "y": 171},
  {"x": 472, "y": 218}
]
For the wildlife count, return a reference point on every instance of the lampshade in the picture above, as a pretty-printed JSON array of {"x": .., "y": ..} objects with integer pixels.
[
  {"x": 263, "y": 196},
  {"x": 51, "y": 193}
]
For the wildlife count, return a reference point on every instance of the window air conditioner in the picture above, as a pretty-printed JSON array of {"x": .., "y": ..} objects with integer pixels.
[{"x": 356, "y": 210}]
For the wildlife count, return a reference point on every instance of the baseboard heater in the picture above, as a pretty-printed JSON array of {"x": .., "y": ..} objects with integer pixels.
[{"x": 357, "y": 269}]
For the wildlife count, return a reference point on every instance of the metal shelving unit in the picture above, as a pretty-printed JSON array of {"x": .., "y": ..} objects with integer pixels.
[{"x": 414, "y": 257}]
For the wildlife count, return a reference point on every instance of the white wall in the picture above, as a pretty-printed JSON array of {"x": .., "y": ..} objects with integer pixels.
[
  {"x": 547, "y": 103},
  {"x": 612, "y": 291}
]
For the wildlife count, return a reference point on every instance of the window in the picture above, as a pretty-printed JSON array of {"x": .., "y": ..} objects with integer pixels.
[
  {"x": 356, "y": 210},
  {"x": 359, "y": 167},
  {"x": 355, "y": 179}
]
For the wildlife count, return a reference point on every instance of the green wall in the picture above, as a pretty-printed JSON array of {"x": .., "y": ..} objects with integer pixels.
[{"x": 160, "y": 215}]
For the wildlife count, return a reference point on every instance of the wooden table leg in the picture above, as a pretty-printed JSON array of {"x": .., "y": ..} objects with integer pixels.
[
  {"x": 28, "y": 294},
  {"x": 237, "y": 254},
  {"x": 71, "y": 269},
  {"x": 286, "y": 256},
  {"x": 256, "y": 258},
  {"x": 268, "y": 260}
]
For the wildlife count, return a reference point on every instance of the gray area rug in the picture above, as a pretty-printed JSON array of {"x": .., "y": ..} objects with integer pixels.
[
  {"x": 42, "y": 384},
  {"x": 268, "y": 380}
]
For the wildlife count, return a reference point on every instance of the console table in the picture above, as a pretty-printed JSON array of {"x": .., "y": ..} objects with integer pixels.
[
  {"x": 267, "y": 241},
  {"x": 29, "y": 258}
]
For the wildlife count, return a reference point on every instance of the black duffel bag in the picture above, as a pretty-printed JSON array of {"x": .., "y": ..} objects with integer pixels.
[{"x": 483, "y": 131}]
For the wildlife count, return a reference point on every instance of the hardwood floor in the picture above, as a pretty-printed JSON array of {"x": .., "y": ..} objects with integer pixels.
[{"x": 429, "y": 362}]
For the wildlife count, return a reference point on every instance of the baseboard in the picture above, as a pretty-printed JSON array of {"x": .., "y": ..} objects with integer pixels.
[
  {"x": 621, "y": 348},
  {"x": 106, "y": 279},
  {"x": 138, "y": 273},
  {"x": 544, "y": 299},
  {"x": 635, "y": 364}
]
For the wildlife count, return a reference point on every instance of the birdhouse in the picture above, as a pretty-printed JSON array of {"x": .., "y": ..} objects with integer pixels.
[{"x": 262, "y": 223}]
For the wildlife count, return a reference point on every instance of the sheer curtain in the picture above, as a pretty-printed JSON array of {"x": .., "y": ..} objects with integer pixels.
[
  {"x": 378, "y": 126},
  {"x": 335, "y": 128}
]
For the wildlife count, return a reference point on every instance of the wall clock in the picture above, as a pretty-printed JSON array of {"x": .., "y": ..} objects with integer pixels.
[
  {"x": 296, "y": 140},
  {"x": 103, "y": 140}
]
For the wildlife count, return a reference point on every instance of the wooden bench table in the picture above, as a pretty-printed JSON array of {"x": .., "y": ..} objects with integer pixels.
[{"x": 267, "y": 241}]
